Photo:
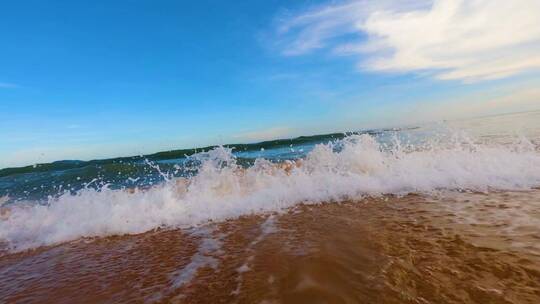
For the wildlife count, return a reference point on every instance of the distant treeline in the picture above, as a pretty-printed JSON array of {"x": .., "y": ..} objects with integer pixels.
[{"x": 174, "y": 154}]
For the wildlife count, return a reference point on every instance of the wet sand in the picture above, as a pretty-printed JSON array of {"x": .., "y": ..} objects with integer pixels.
[{"x": 449, "y": 248}]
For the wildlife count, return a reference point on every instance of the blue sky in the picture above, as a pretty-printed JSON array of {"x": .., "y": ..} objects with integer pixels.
[{"x": 95, "y": 79}]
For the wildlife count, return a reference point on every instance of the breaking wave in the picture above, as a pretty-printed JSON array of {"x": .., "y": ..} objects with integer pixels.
[{"x": 350, "y": 168}]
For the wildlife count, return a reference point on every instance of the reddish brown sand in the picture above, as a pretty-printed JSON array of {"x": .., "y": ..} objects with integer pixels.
[{"x": 457, "y": 248}]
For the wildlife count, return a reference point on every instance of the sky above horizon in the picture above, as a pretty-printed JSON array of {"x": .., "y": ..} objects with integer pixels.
[{"x": 99, "y": 79}]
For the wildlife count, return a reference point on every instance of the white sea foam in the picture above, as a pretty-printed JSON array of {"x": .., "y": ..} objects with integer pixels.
[
  {"x": 209, "y": 247},
  {"x": 221, "y": 190},
  {"x": 267, "y": 227},
  {"x": 3, "y": 199}
]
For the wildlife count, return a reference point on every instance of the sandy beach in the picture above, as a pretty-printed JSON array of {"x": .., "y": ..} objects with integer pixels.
[{"x": 450, "y": 248}]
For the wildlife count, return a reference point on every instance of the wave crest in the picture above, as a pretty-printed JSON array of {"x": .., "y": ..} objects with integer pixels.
[{"x": 351, "y": 168}]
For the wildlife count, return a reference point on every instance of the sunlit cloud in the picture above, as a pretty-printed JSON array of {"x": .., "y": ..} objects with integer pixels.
[
  {"x": 470, "y": 40},
  {"x": 262, "y": 135},
  {"x": 475, "y": 105}
]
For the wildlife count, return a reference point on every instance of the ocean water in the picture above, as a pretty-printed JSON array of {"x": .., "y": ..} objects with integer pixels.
[{"x": 458, "y": 191}]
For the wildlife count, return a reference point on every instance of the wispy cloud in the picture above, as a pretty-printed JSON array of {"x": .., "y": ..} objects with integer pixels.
[
  {"x": 261, "y": 135},
  {"x": 7, "y": 85},
  {"x": 470, "y": 40},
  {"x": 475, "y": 106}
]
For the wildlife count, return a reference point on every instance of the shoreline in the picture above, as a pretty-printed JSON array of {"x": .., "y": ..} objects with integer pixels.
[{"x": 409, "y": 249}]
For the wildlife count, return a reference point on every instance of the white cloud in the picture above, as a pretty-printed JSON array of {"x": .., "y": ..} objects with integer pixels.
[
  {"x": 468, "y": 40},
  {"x": 262, "y": 135}
]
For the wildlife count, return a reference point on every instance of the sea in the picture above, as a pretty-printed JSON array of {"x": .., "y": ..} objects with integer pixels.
[{"x": 441, "y": 212}]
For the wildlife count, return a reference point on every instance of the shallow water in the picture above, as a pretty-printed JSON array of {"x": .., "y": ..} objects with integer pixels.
[{"x": 464, "y": 248}]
